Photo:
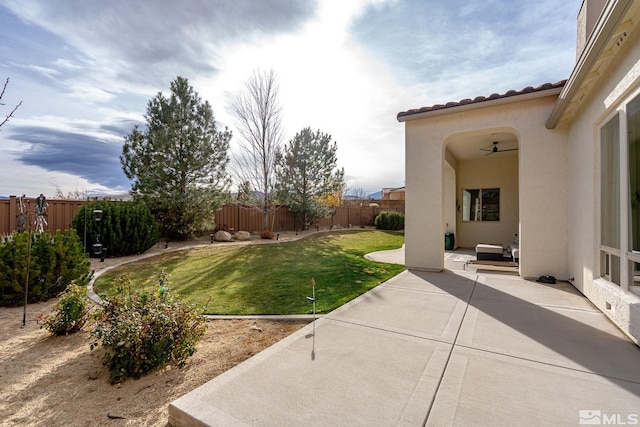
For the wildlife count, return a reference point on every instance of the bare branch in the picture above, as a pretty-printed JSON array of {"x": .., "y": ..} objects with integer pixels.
[
  {"x": 73, "y": 194},
  {"x": 259, "y": 117},
  {"x": 12, "y": 111}
]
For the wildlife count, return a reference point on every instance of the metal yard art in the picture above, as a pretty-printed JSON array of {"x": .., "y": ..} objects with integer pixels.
[
  {"x": 40, "y": 214},
  {"x": 22, "y": 221}
]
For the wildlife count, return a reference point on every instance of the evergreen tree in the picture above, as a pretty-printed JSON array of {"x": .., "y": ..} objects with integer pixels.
[
  {"x": 307, "y": 175},
  {"x": 178, "y": 162},
  {"x": 126, "y": 228}
]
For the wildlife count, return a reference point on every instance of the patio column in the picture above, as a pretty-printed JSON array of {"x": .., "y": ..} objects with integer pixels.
[{"x": 424, "y": 234}]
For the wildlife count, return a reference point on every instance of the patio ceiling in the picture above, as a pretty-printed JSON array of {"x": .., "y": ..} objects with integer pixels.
[{"x": 468, "y": 146}]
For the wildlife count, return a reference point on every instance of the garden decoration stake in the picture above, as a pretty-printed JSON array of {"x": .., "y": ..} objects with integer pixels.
[
  {"x": 21, "y": 217},
  {"x": 40, "y": 222},
  {"x": 313, "y": 334},
  {"x": 98, "y": 249},
  {"x": 26, "y": 285}
]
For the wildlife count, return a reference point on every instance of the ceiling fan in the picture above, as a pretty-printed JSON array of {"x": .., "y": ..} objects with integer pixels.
[{"x": 495, "y": 149}]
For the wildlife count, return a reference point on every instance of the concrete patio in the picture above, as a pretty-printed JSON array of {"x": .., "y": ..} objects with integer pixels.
[{"x": 451, "y": 348}]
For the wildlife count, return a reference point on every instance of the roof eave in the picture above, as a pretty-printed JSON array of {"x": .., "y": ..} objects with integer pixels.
[
  {"x": 479, "y": 105},
  {"x": 607, "y": 23}
]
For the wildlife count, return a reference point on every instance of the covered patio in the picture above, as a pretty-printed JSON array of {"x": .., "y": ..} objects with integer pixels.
[{"x": 484, "y": 170}]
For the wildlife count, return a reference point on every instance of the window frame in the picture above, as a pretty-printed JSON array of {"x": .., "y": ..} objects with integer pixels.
[
  {"x": 479, "y": 205},
  {"x": 624, "y": 257}
]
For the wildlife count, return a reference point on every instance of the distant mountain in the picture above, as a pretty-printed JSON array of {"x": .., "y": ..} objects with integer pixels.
[{"x": 375, "y": 196}]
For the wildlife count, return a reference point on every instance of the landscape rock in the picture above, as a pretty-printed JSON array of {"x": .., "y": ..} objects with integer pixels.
[
  {"x": 243, "y": 235},
  {"x": 222, "y": 236},
  {"x": 255, "y": 327}
]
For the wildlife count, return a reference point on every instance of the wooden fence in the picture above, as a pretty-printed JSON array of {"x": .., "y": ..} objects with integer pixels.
[
  {"x": 239, "y": 217},
  {"x": 250, "y": 219},
  {"x": 59, "y": 213}
]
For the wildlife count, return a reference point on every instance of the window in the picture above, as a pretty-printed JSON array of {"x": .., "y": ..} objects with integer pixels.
[
  {"x": 610, "y": 200},
  {"x": 481, "y": 204},
  {"x": 633, "y": 130},
  {"x": 620, "y": 197}
]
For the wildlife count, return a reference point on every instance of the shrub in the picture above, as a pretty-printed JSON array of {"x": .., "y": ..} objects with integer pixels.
[
  {"x": 70, "y": 312},
  {"x": 126, "y": 228},
  {"x": 55, "y": 261},
  {"x": 141, "y": 331},
  {"x": 389, "y": 221},
  {"x": 267, "y": 234}
]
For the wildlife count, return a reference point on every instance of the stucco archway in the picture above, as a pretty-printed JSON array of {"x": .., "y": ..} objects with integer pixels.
[{"x": 477, "y": 162}]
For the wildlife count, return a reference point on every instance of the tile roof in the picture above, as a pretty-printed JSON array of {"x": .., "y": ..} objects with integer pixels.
[{"x": 478, "y": 99}]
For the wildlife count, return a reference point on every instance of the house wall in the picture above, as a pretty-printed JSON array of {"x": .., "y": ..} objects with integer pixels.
[
  {"x": 394, "y": 195},
  {"x": 622, "y": 79},
  {"x": 449, "y": 195},
  {"x": 543, "y": 197},
  {"x": 496, "y": 171},
  {"x": 542, "y": 183},
  {"x": 424, "y": 217},
  {"x": 587, "y": 18}
]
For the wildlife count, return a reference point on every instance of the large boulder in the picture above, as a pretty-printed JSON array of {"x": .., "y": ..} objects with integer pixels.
[
  {"x": 243, "y": 235},
  {"x": 222, "y": 236}
]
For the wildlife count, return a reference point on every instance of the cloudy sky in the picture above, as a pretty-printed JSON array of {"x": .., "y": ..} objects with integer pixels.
[{"x": 85, "y": 70}]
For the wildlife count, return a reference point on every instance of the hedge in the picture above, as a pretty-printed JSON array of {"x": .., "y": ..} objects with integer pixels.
[
  {"x": 55, "y": 261},
  {"x": 126, "y": 228},
  {"x": 389, "y": 221}
]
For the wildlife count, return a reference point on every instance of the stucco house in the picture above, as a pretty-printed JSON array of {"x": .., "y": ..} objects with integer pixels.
[
  {"x": 393, "y": 193},
  {"x": 558, "y": 164}
]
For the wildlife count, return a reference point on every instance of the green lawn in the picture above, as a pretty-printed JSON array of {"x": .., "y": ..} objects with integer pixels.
[{"x": 269, "y": 278}]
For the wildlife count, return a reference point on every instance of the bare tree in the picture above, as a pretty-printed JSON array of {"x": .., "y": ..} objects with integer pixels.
[
  {"x": 12, "y": 111},
  {"x": 259, "y": 117},
  {"x": 358, "y": 192},
  {"x": 73, "y": 194}
]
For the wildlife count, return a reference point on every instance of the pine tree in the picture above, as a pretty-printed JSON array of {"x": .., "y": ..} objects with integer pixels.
[
  {"x": 178, "y": 162},
  {"x": 308, "y": 175}
]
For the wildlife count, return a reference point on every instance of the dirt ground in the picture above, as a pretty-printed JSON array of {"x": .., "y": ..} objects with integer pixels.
[{"x": 59, "y": 381}]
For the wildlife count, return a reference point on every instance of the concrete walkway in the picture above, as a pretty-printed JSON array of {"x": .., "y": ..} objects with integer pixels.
[{"x": 453, "y": 348}]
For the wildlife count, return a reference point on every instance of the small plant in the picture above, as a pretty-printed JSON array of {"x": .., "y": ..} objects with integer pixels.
[
  {"x": 70, "y": 312},
  {"x": 144, "y": 330},
  {"x": 389, "y": 221},
  {"x": 267, "y": 234}
]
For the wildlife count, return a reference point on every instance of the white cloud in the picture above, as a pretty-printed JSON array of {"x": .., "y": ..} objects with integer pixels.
[
  {"x": 346, "y": 68},
  {"x": 48, "y": 72},
  {"x": 329, "y": 83}
]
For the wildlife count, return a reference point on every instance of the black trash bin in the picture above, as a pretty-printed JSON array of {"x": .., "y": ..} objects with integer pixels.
[{"x": 449, "y": 241}]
